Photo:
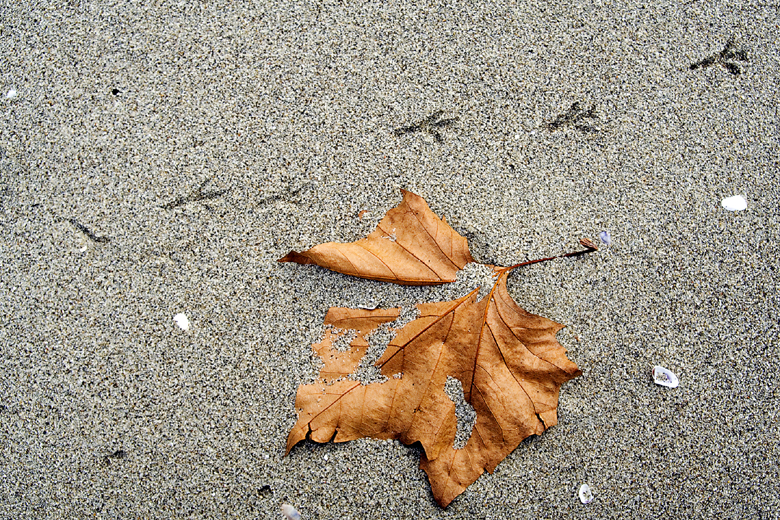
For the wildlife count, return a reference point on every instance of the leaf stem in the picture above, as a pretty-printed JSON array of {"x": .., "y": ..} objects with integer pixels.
[{"x": 590, "y": 247}]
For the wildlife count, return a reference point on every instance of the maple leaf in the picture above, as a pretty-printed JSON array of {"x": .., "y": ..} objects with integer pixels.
[
  {"x": 507, "y": 360},
  {"x": 410, "y": 246}
]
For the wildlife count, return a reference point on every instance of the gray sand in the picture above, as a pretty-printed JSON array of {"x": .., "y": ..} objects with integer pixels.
[{"x": 110, "y": 228}]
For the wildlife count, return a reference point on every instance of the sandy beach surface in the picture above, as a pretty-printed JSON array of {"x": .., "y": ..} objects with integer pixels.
[{"x": 156, "y": 158}]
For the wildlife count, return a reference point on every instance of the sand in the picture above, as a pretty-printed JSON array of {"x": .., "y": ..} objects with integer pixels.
[{"x": 158, "y": 160}]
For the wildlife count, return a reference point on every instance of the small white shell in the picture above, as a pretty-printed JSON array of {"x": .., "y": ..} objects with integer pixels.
[
  {"x": 586, "y": 495},
  {"x": 665, "y": 377},
  {"x": 10, "y": 94},
  {"x": 604, "y": 236},
  {"x": 735, "y": 203},
  {"x": 290, "y": 513},
  {"x": 182, "y": 321}
]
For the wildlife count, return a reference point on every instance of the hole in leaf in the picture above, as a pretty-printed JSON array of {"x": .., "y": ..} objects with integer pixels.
[
  {"x": 367, "y": 371},
  {"x": 464, "y": 412}
]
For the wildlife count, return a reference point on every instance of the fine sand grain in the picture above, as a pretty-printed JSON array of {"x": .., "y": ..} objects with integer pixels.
[{"x": 158, "y": 160}]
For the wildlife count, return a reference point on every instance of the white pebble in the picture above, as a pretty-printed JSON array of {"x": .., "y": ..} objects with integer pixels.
[
  {"x": 182, "y": 321},
  {"x": 586, "y": 495},
  {"x": 604, "y": 236},
  {"x": 10, "y": 94},
  {"x": 735, "y": 203},
  {"x": 665, "y": 377},
  {"x": 290, "y": 513}
]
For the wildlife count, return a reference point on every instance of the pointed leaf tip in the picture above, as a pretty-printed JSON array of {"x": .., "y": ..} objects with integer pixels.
[{"x": 410, "y": 246}]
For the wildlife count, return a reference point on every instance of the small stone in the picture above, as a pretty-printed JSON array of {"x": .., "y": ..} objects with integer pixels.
[
  {"x": 182, "y": 321},
  {"x": 735, "y": 203},
  {"x": 665, "y": 377},
  {"x": 11, "y": 94},
  {"x": 604, "y": 236},
  {"x": 586, "y": 495},
  {"x": 290, "y": 513}
]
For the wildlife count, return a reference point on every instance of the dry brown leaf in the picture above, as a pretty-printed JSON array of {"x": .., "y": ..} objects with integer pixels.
[
  {"x": 410, "y": 246},
  {"x": 508, "y": 361}
]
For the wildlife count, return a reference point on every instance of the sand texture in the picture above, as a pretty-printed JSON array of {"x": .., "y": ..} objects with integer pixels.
[{"x": 156, "y": 158}]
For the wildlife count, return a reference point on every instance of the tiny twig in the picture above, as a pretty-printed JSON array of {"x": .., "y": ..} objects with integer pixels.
[{"x": 591, "y": 247}]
